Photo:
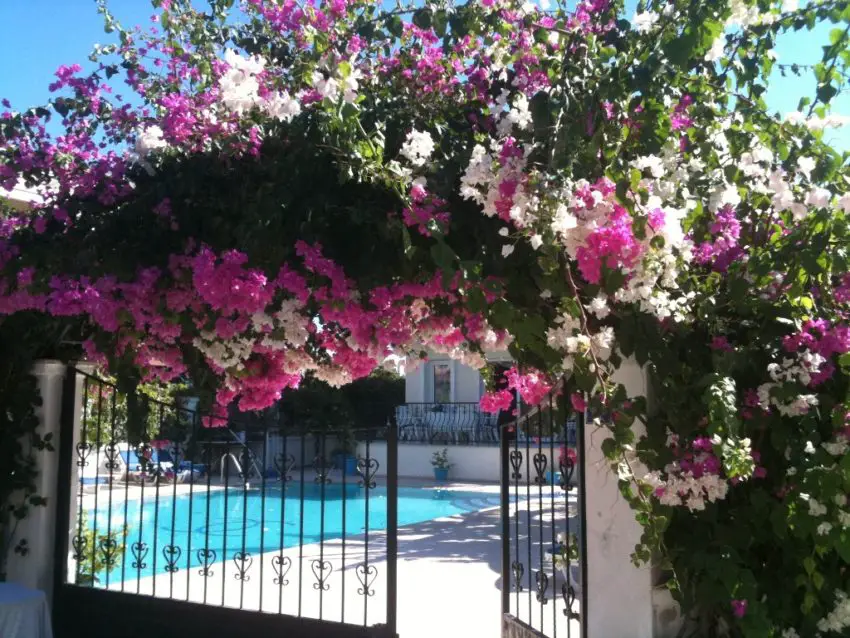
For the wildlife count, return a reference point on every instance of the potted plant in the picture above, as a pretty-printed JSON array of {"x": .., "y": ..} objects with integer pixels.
[
  {"x": 567, "y": 459},
  {"x": 344, "y": 455},
  {"x": 565, "y": 555},
  {"x": 109, "y": 552},
  {"x": 440, "y": 461}
]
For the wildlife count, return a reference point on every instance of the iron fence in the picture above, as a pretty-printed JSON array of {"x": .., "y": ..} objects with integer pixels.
[
  {"x": 446, "y": 424},
  {"x": 161, "y": 506},
  {"x": 544, "y": 566},
  {"x": 467, "y": 424}
]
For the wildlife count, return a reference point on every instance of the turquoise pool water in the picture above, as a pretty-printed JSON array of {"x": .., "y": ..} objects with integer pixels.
[{"x": 257, "y": 521}]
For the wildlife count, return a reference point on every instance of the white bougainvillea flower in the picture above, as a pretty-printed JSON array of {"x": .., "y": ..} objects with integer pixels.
[
  {"x": 644, "y": 21},
  {"x": 418, "y": 147},
  {"x": 148, "y": 140}
]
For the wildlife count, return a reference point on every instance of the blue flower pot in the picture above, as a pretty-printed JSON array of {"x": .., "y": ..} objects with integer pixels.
[
  {"x": 345, "y": 463},
  {"x": 441, "y": 473},
  {"x": 550, "y": 479},
  {"x": 351, "y": 465}
]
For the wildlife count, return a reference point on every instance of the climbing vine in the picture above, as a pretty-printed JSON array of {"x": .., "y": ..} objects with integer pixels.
[{"x": 310, "y": 188}]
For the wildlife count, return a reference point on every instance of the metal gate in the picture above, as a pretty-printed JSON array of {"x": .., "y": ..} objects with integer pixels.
[
  {"x": 544, "y": 566},
  {"x": 219, "y": 527}
]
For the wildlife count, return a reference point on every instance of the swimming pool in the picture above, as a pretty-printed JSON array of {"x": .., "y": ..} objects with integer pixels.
[{"x": 258, "y": 521}]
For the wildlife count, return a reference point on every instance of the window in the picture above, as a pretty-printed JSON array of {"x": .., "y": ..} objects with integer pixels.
[{"x": 442, "y": 383}]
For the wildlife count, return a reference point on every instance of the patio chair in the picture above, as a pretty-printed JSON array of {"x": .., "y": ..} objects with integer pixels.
[{"x": 135, "y": 471}]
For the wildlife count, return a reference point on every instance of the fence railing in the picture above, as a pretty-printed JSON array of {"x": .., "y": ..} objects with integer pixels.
[
  {"x": 446, "y": 424},
  {"x": 544, "y": 544},
  {"x": 467, "y": 424},
  {"x": 215, "y": 516}
]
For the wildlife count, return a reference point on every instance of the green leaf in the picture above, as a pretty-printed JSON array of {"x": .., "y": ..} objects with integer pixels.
[
  {"x": 679, "y": 50},
  {"x": 422, "y": 18},
  {"x": 395, "y": 26},
  {"x": 809, "y": 565},
  {"x": 540, "y": 113},
  {"x": 843, "y": 546},
  {"x": 443, "y": 256},
  {"x": 441, "y": 21},
  {"x": 826, "y": 92}
]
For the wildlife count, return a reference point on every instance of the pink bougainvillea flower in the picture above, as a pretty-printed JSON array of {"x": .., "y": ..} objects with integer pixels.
[
  {"x": 578, "y": 402},
  {"x": 739, "y": 608}
]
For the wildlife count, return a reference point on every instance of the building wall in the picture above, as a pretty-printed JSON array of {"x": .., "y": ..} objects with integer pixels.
[
  {"x": 467, "y": 384},
  {"x": 469, "y": 463},
  {"x": 419, "y": 383},
  {"x": 414, "y": 389}
]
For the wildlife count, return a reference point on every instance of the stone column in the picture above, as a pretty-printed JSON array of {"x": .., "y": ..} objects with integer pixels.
[
  {"x": 74, "y": 478},
  {"x": 619, "y": 594},
  {"x": 35, "y": 569}
]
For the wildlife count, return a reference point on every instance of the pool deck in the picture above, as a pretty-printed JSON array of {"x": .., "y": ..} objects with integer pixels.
[{"x": 449, "y": 580}]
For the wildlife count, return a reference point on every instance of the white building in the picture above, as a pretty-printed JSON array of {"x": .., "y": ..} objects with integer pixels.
[
  {"x": 444, "y": 380},
  {"x": 442, "y": 411},
  {"x": 20, "y": 197}
]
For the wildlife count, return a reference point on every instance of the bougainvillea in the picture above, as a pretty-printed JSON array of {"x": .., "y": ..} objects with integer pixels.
[{"x": 313, "y": 187}]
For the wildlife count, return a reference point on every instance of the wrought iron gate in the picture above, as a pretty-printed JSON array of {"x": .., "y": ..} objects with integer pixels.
[
  {"x": 544, "y": 566},
  {"x": 216, "y": 527}
]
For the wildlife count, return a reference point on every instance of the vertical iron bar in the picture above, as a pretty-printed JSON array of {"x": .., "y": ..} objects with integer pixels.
[
  {"x": 518, "y": 473},
  {"x": 366, "y": 530},
  {"x": 505, "y": 495},
  {"x": 568, "y": 577},
  {"x": 126, "y": 504},
  {"x": 82, "y": 461},
  {"x": 282, "y": 470},
  {"x": 582, "y": 513},
  {"x": 344, "y": 500},
  {"x": 540, "y": 508},
  {"x": 174, "y": 459},
  {"x": 111, "y": 461},
  {"x": 225, "y": 459},
  {"x": 301, "y": 529},
  {"x": 191, "y": 438},
  {"x": 322, "y": 444},
  {"x": 263, "y": 510},
  {"x": 554, "y": 465},
  {"x": 63, "y": 482},
  {"x": 157, "y": 477},
  {"x": 96, "y": 476},
  {"x": 245, "y": 464},
  {"x": 528, "y": 468},
  {"x": 209, "y": 467},
  {"x": 144, "y": 468},
  {"x": 392, "y": 528}
]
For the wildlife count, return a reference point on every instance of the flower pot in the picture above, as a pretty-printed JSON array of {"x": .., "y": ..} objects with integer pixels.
[
  {"x": 351, "y": 465},
  {"x": 345, "y": 463},
  {"x": 553, "y": 478},
  {"x": 441, "y": 473}
]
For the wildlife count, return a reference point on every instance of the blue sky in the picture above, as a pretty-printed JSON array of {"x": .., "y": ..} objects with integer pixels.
[{"x": 67, "y": 30}]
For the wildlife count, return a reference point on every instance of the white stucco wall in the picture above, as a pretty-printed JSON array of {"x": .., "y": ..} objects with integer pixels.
[
  {"x": 419, "y": 382},
  {"x": 470, "y": 463},
  {"x": 414, "y": 461},
  {"x": 35, "y": 569},
  {"x": 293, "y": 445},
  {"x": 612, "y": 533},
  {"x": 414, "y": 385},
  {"x": 467, "y": 384}
]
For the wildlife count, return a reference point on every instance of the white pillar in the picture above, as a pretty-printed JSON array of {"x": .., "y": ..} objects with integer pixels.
[
  {"x": 38, "y": 528},
  {"x": 619, "y": 594}
]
